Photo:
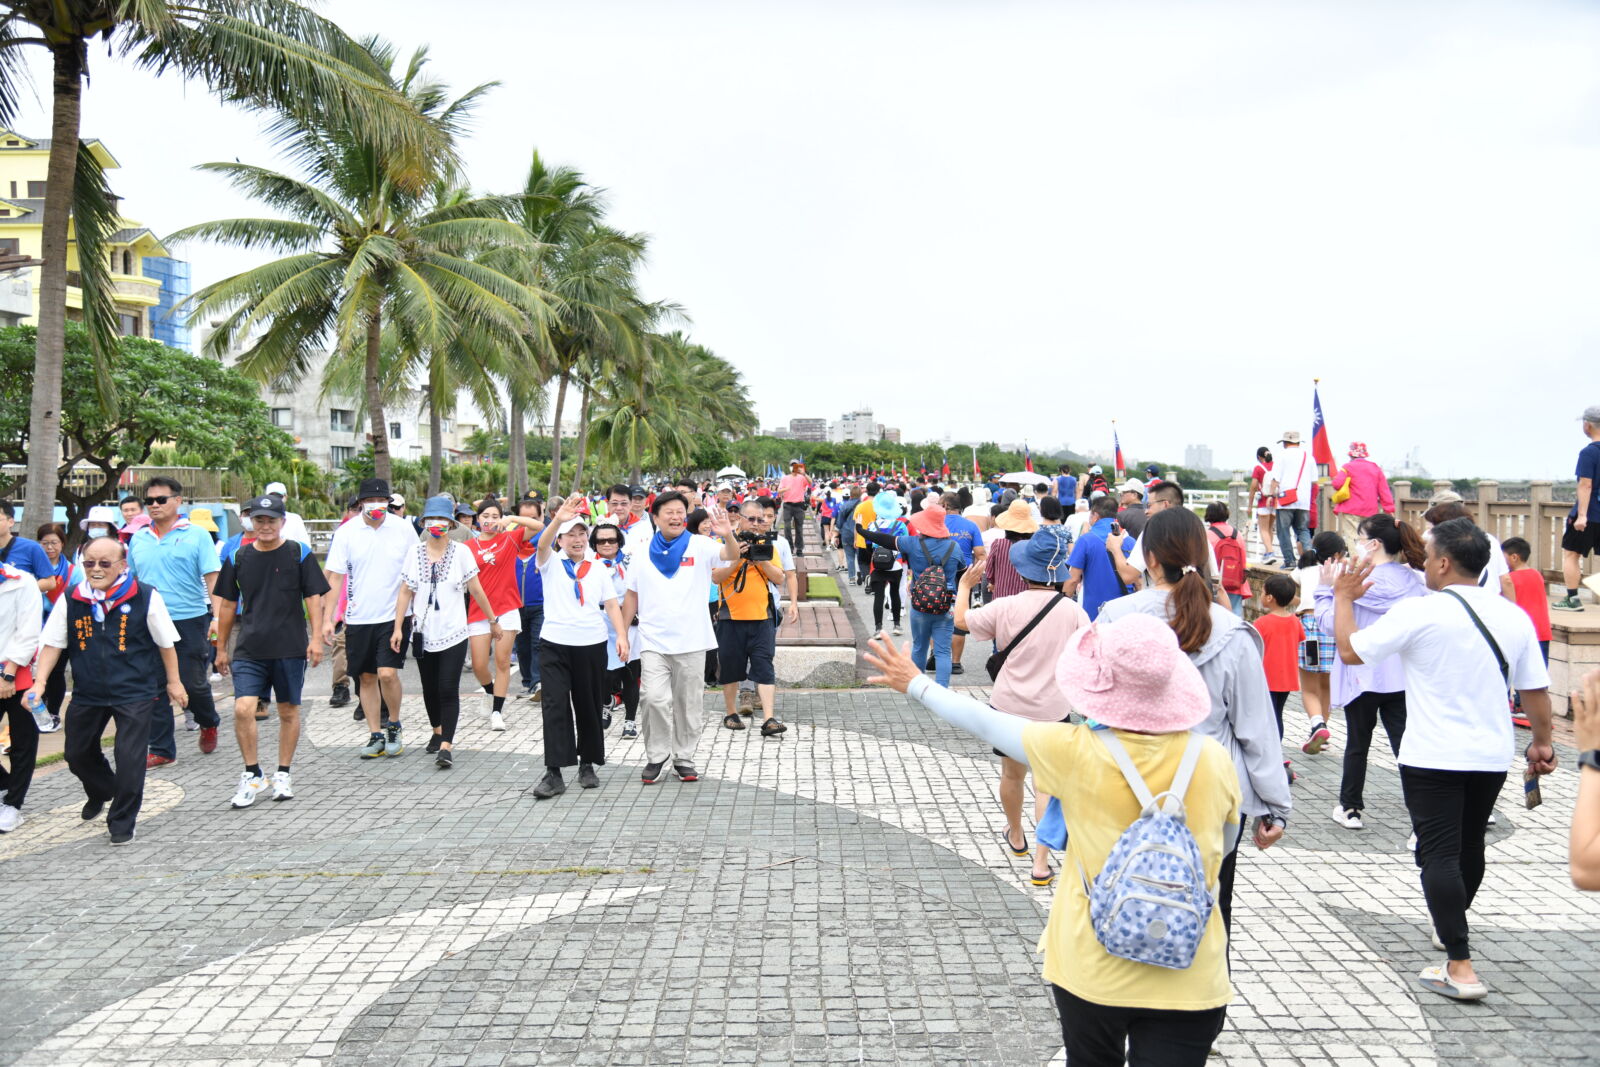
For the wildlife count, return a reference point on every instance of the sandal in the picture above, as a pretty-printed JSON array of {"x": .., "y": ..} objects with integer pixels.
[
  {"x": 1020, "y": 853},
  {"x": 772, "y": 728},
  {"x": 1436, "y": 979},
  {"x": 733, "y": 722},
  {"x": 1042, "y": 882}
]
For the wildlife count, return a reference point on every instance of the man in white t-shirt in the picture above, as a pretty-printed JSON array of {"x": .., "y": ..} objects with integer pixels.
[
  {"x": 669, "y": 586},
  {"x": 1461, "y": 648},
  {"x": 1132, "y": 567},
  {"x": 1294, "y": 482}
]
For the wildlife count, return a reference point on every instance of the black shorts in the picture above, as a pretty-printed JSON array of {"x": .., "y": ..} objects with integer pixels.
[
  {"x": 366, "y": 646},
  {"x": 1581, "y": 541},
  {"x": 745, "y": 650}
]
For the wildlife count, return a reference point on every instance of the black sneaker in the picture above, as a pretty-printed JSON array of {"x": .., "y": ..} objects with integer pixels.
[
  {"x": 586, "y": 776},
  {"x": 605, "y": 717},
  {"x": 92, "y": 809},
  {"x": 433, "y": 743},
  {"x": 651, "y": 773},
  {"x": 956, "y": 668},
  {"x": 357, "y": 715},
  {"x": 550, "y": 785},
  {"x": 686, "y": 772},
  {"x": 123, "y": 839},
  {"x": 932, "y": 665},
  {"x": 340, "y": 697},
  {"x": 444, "y": 760}
]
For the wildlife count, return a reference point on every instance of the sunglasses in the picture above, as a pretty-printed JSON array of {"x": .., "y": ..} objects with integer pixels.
[
  {"x": 98, "y": 564},
  {"x": 152, "y": 500},
  {"x": 607, "y": 541}
]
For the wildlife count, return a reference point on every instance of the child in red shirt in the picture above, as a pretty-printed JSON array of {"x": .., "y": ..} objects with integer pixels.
[
  {"x": 1531, "y": 594},
  {"x": 1281, "y": 634}
]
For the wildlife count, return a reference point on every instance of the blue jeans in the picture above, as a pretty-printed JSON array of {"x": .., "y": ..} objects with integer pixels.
[
  {"x": 847, "y": 538},
  {"x": 939, "y": 627},
  {"x": 1293, "y": 529},
  {"x": 527, "y": 644}
]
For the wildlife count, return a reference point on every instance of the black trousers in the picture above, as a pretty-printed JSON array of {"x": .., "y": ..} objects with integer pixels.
[
  {"x": 85, "y": 726},
  {"x": 55, "y": 687},
  {"x": 794, "y": 526},
  {"x": 863, "y": 562},
  {"x": 574, "y": 679},
  {"x": 1097, "y": 1034},
  {"x": 624, "y": 682},
  {"x": 1361, "y": 718},
  {"x": 1450, "y": 813},
  {"x": 24, "y": 750},
  {"x": 527, "y": 643},
  {"x": 881, "y": 581},
  {"x": 1225, "y": 874},
  {"x": 440, "y": 674}
]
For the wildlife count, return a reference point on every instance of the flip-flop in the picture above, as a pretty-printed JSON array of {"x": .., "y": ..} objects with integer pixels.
[
  {"x": 1042, "y": 882},
  {"x": 1021, "y": 853},
  {"x": 1436, "y": 979}
]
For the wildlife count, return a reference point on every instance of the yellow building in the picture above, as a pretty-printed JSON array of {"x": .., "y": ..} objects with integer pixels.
[{"x": 24, "y": 166}]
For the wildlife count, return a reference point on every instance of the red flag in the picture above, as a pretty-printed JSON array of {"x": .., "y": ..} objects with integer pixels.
[
  {"x": 977, "y": 475},
  {"x": 1027, "y": 458},
  {"x": 945, "y": 473},
  {"x": 1321, "y": 449}
]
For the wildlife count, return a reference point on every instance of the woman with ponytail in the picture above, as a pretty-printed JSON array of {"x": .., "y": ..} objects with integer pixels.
[
  {"x": 1370, "y": 691},
  {"x": 1227, "y": 652}
]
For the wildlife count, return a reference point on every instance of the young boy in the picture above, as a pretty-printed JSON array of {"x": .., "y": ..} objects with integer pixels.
[
  {"x": 1526, "y": 586},
  {"x": 1281, "y": 634}
]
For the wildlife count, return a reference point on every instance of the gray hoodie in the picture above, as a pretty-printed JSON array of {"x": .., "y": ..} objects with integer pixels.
[{"x": 1241, "y": 718}]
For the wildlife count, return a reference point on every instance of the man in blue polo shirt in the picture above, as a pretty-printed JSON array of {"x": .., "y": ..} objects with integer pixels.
[
  {"x": 180, "y": 561},
  {"x": 1091, "y": 565},
  {"x": 25, "y": 555},
  {"x": 531, "y": 585}
]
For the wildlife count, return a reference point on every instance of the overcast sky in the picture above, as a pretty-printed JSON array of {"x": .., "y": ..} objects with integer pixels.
[{"x": 1007, "y": 220}]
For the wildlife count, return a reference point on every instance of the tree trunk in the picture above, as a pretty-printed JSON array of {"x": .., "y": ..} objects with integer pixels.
[
  {"x": 583, "y": 439},
  {"x": 435, "y": 444},
  {"x": 380, "y": 427},
  {"x": 517, "y": 449},
  {"x": 638, "y": 473},
  {"x": 44, "y": 416},
  {"x": 555, "y": 438}
]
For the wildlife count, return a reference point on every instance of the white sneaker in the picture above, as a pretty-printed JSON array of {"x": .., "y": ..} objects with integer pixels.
[
  {"x": 1492, "y": 819},
  {"x": 282, "y": 786},
  {"x": 497, "y": 721},
  {"x": 250, "y": 787},
  {"x": 1411, "y": 842},
  {"x": 897, "y": 631},
  {"x": 10, "y": 818},
  {"x": 1349, "y": 818}
]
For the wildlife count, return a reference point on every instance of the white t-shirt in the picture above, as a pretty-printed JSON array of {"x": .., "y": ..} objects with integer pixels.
[
  {"x": 1075, "y": 523},
  {"x": 371, "y": 558},
  {"x": 567, "y": 619},
  {"x": 994, "y": 533},
  {"x": 618, "y": 573},
  {"x": 294, "y": 529},
  {"x": 1286, "y": 467},
  {"x": 672, "y": 611},
  {"x": 1136, "y": 557},
  {"x": 1498, "y": 568},
  {"x": 1456, "y": 718},
  {"x": 162, "y": 631},
  {"x": 441, "y": 608},
  {"x": 784, "y": 558}
]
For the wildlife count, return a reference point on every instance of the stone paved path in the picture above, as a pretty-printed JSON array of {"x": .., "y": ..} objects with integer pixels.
[{"x": 834, "y": 896}]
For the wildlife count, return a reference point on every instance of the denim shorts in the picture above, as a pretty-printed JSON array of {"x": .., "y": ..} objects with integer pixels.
[{"x": 266, "y": 678}]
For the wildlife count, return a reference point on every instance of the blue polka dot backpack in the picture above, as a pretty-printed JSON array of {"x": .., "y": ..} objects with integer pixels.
[{"x": 1150, "y": 902}]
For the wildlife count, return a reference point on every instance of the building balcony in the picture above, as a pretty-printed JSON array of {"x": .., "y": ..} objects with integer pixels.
[{"x": 126, "y": 289}]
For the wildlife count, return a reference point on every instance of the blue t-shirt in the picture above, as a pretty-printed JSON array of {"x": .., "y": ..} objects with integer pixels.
[
  {"x": 230, "y": 547},
  {"x": 911, "y": 548},
  {"x": 1067, "y": 490},
  {"x": 529, "y": 580},
  {"x": 1589, "y": 467},
  {"x": 1100, "y": 580},
  {"x": 27, "y": 555},
  {"x": 965, "y": 533},
  {"x": 176, "y": 566}
]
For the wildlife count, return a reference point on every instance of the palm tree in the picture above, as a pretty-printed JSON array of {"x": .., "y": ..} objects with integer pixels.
[
  {"x": 261, "y": 53},
  {"x": 367, "y": 252}
]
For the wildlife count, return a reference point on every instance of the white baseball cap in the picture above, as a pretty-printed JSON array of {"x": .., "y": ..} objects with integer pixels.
[{"x": 276, "y": 487}]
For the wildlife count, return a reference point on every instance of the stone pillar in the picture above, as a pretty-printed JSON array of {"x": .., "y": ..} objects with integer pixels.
[
  {"x": 1488, "y": 491},
  {"x": 1402, "y": 489},
  {"x": 1239, "y": 503},
  {"x": 1545, "y": 554},
  {"x": 1440, "y": 485}
]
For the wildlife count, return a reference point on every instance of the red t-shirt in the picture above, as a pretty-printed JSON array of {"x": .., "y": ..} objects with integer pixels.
[
  {"x": 1282, "y": 636},
  {"x": 497, "y": 571},
  {"x": 1533, "y": 598},
  {"x": 1260, "y": 475}
]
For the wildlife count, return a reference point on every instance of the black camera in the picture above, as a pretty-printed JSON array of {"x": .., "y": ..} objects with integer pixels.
[{"x": 761, "y": 546}]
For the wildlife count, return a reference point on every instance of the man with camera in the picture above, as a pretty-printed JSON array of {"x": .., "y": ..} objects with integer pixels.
[{"x": 747, "y": 619}]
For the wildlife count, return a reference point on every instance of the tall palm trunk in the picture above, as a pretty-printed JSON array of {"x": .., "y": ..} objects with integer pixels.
[
  {"x": 555, "y": 438},
  {"x": 44, "y": 416},
  {"x": 435, "y": 444},
  {"x": 583, "y": 439},
  {"x": 517, "y": 449},
  {"x": 375, "y": 415}
]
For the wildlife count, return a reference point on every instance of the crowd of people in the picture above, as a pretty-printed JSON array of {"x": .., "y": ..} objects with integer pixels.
[{"x": 1126, "y": 682}]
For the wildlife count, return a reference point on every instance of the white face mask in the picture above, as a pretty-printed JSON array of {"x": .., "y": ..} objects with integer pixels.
[{"x": 99, "y": 531}]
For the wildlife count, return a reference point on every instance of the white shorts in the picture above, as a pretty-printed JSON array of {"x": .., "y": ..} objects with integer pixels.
[
  {"x": 1266, "y": 511},
  {"x": 510, "y": 622}
]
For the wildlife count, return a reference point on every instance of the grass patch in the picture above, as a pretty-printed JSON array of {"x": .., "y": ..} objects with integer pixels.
[{"x": 822, "y": 587}]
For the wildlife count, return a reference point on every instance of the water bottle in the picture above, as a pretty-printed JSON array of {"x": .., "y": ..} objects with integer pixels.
[{"x": 41, "y": 714}]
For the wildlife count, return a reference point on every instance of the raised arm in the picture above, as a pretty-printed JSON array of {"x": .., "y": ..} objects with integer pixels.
[{"x": 897, "y": 671}]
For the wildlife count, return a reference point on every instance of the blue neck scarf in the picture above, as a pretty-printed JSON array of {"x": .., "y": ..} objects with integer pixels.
[{"x": 668, "y": 555}]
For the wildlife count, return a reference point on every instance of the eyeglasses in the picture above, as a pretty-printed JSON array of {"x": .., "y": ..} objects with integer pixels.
[
  {"x": 152, "y": 500},
  {"x": 607, "y": 541},
  {"x": 98, "y": 564},
  {"x": 759, "y": 519}
]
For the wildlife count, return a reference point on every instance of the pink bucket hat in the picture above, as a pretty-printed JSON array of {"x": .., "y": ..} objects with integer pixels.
[
  {"x": 1131, "y": 674},
  {"x": 929, "y": 522},
  {"x": 1358, "y": 450}
]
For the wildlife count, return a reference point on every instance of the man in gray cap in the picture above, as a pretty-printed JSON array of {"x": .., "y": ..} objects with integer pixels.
[
  {"x": 1582, "y": 534},
  {"x": 1294, "y": 478}
]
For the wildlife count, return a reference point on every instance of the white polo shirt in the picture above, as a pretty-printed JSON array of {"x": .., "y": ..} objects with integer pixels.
[
  {"x": 673, "y": 618},
  {"x": 1456, "y": 718},
  {"x": 372, "y": 558}
]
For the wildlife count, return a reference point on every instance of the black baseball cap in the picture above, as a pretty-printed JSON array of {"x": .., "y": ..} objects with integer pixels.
[
  {"x": 373, "y": 487},
  {"x": 271, "y": 504},
  {"x": 638, "y": 490}
]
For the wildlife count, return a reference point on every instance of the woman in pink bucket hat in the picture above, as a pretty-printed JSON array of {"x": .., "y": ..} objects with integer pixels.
[{"x": 1131, "y": 678}]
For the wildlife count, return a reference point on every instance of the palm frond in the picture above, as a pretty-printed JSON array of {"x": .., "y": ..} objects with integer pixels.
[{"x": 94, "y": 220}]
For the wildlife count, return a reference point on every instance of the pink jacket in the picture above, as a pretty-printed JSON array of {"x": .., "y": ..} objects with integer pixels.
[{"x": 1369, "y": 489}]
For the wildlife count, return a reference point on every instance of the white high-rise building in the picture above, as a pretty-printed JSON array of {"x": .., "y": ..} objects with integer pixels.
[
  {"x": 1197, "y": 457},
  {"x": 857, "y": 427}
]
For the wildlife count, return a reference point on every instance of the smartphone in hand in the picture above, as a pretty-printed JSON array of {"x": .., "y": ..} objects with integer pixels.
[{"x": 1531, "y": 796}]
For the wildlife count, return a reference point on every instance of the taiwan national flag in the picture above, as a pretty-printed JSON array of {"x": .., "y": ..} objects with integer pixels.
[
  {"x": 922, "y": 467},
  {"x": 1027, "y": 458},
  {"x": 977, "y": 475},
  {"x": 945, "y": 471},
  {"x": 1116, "y": 449},
  {"x": 1321, "y": 449}
]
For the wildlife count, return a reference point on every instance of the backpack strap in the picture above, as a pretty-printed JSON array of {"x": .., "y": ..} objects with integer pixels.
[
  {"x": 1125, "y": 765},
  {"x": 1499, "y": 657},
  {"x": 1180, "y": 781}
]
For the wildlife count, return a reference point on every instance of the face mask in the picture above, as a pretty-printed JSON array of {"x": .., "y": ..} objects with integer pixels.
[
  {"x": 438, "y": 529},
  {"x": 374, "y": 511},
  {"x": 99, "y": 531}
]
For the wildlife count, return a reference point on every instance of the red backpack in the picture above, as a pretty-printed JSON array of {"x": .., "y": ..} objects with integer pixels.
[{"x": 1230, "y": 557}]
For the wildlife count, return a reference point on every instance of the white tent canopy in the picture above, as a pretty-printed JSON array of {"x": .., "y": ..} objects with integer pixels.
[
  {"x": 1023, "y": 478},
  {"x": 731, "y": 472}
]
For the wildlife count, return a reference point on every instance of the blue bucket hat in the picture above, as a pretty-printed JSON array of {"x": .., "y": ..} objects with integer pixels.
[
  {"x": 1043, "y": 557},
  {"x": 886, "y": 505},
  {"x": 439, "y": 507}
]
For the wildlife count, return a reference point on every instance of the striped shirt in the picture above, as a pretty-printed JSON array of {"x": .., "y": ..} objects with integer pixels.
[{"x": 1002, "y": 576}]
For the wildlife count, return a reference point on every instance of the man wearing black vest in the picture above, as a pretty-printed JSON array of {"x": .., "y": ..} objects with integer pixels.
[{"x": 120, "y": 641}]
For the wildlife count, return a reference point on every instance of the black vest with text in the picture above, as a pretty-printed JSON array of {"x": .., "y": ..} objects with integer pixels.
[{"x": 117, "y": 661}]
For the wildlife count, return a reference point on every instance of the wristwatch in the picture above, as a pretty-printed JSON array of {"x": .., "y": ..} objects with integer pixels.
[{"x": 1590, "y": 759}]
